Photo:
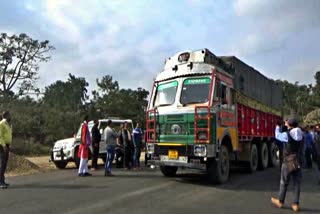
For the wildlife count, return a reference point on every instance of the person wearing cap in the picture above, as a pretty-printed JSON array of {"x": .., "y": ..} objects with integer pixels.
[
  {"x": 126, "y": 140},
  {"x": 110, "y": 137},
  {"x": 293, "y": 142},
  {"x": 5, "y": 142}
]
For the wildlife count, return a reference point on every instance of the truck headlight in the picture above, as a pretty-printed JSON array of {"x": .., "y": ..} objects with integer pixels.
[
  {"x": 200, "y": 150},
  {"x": 150, "y": 148}
]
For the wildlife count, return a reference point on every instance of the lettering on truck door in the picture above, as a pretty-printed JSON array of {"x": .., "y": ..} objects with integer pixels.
[{"x": 226, "y": 115}]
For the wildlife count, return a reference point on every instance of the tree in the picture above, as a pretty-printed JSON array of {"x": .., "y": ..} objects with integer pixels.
[
  {"x": 107, "y": 85},
  {"x": 115, "y": 102},
  {"x": 19, "y": 62},
  {"x": 63, "y": 106},
  {"x": 68, "y": 95},
  {"x": 313, "y": 118}
]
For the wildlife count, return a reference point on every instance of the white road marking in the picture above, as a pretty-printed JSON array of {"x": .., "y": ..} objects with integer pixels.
[{"x": 103, "y": 204}]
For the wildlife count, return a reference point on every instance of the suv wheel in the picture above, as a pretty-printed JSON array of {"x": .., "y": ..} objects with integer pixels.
[{"x": 60, "y": 164}]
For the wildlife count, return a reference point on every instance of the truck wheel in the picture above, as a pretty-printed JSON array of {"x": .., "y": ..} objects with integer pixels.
[
  {"x": 273, "y": 149},
  {"x": 218, "y": 170},
  {"x": 76, "y": 158},
  {"x": 60, "y": 164},
  {"x": 253, "y": 163},
  {"x": 263, "y": 156},
  {"x": 169, "y": 171}
]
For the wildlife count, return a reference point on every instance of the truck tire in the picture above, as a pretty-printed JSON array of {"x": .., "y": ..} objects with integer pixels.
[
  {"x": 273, "y": 160},
  {"x": 60, "y": 164},
  {"x": 218, "y": 170},
  {"x": 76, "y": 158},
  {"x": 254, "y": 158},
  {"x": 169, "y": 171},
  {"x": 263, "y": 156}
]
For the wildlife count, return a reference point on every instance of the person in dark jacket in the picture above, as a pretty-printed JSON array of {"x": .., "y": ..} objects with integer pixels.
[
  {"x": 126, "y": 140},
  {"x": 317, "y": 147},
  {"x": 137, "y": 143},
  {"x": 293, "y": 141},
  {"x": 96, "y": 138},
  {"x": 308, "y": 148}
]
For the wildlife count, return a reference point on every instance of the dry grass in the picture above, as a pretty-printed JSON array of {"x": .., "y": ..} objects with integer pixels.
[{"x": 18, "y": 165}]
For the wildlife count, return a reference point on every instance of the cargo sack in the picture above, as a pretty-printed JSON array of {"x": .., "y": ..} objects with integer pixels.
[{"x": 292, "y": 162}]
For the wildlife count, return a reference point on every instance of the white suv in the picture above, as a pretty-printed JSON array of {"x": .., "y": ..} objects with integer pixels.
[{"x": 66, "y": 150}]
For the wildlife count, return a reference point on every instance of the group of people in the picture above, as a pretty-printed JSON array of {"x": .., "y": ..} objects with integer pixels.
[
  {"x": 124, "y": 140},
  {"x": 297, "y": 147}
]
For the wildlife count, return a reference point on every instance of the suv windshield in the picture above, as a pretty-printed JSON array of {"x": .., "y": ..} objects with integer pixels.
[
  {"x": 166, "y": 94},
  {"x": 195, "y": 91},
  {"x": 103, "y": 125}
]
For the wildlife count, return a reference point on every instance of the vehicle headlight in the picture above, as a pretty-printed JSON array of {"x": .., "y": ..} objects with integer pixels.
[
  {"x": 70, "y": 145},
  {"x": 150, "y": 148},
  {"x": 57, "y": 146},
  {"x": 200, "y": 150}
]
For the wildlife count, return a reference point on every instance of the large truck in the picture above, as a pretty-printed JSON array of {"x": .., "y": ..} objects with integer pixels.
[{"x": 208, "y": 112}]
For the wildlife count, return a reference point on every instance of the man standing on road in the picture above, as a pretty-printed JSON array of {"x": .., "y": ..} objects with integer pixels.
[
  {"x": 126, "y": 141},
  {"x": 83, "y": 152},
  {"x": 137, "y": 141},
  {"x": 110, "y": 136},
  {"x": 292, "y": 148},
  {"x": 96, "y": 137},
  {"x": 5, "y": 142}
]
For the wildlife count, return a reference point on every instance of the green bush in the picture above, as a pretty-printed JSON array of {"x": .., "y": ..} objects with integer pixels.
[{"x": 29, "y": 149}]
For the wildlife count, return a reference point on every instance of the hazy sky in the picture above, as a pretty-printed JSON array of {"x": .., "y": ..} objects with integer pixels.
[{"x": 130, "y": 39}]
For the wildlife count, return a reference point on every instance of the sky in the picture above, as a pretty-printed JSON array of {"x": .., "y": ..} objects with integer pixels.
[{"x": 130, "y": 39}]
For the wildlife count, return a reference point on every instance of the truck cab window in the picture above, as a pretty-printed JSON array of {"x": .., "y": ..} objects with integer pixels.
[
  {"x": 222, "y": 92},
  {"x": 166, "y": 94},
  {"x": 195, "y": 90}
]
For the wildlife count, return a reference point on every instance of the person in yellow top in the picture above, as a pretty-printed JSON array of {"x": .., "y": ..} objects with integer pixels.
[{"x": 5, "y": 142}]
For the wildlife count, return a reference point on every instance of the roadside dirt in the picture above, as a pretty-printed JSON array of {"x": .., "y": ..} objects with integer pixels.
[{"x": 19, "y": 165}]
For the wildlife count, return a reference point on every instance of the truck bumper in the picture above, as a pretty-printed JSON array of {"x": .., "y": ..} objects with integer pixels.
[{"x": 199, "y": 165}]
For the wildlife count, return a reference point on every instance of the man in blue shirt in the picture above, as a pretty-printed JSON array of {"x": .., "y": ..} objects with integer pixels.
[
  {"x": 292, "y": 141},
  {"x": 137, "y": 141}
]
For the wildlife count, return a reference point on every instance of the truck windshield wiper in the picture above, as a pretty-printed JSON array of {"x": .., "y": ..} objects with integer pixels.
[
  {"x": 167, "y": 104},
  {"x": 189, "y": 103}
]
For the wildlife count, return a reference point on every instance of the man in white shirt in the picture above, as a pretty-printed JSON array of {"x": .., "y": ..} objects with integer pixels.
[{"x": 293, "y": 142}]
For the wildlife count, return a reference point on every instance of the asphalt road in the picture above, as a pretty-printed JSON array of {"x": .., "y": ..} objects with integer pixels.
[{"x": 149, "y": 192}]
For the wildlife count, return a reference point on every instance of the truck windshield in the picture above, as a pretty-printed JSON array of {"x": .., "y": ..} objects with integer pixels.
[
  {"x": 195, "y": 90},
  {"x": 166, "y": 94}
]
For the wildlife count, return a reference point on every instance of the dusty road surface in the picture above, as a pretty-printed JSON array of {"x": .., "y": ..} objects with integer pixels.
[{"x": 147, "y": 191}]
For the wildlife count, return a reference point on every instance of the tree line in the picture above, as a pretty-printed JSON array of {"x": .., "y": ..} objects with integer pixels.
[
  {"x": 55, "y": 112},
  {"x": 59, "y": 109}
]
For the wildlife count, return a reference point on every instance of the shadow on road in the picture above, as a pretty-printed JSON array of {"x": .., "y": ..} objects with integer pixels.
[
  {"x": 240, "y": 179},
  {"x": 56, "y": 186},
  {"x": 302, "y": 209}
]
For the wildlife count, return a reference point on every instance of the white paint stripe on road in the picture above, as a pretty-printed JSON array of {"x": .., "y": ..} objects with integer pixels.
[{"x": 103, "y": 204}]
